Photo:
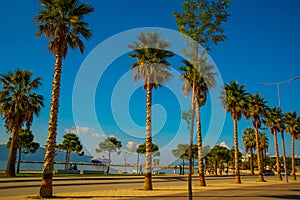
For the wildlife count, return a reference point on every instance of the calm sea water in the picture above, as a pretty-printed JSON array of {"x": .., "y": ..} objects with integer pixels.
[{"x": 39, "y": 167}]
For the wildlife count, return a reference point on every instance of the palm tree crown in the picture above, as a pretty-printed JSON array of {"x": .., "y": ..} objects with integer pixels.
[
  {"x": 200, "y": 73},
  {"x": 61, "y": 21},
  {"x": 18, "y": 101},
  {"x": 234, "y": 99},
  {"x": 151, "y": 65},
  {"x": 256, "y": 108},
  {"x": 273, "y": 118},
  {"x": 249, "y": 138}
]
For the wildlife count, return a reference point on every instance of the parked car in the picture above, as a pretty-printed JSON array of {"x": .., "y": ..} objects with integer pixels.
[{"x": 268, "y": 172}]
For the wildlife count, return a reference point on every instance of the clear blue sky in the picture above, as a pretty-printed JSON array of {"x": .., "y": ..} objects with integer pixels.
[{"x": 262, "y": 46}]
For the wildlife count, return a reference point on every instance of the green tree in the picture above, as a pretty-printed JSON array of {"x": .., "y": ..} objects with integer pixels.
[
  {"x": 274, "y": 119},
  {"x": 62, "y": 23},
  {"x": 249, "y": 144},
  {"x": 25, "y": 145},
  {"x": 153, "y": 68},
  {"x": 231, "y": 158},
  {"x": 142, "y": 149},
  {"x": 217, "y": 156},
  {"x": 110, "y": 144},
  {"x": 71, "y": 143},
  {"x": 256, "y": 108},
  {"x": 202, "y": 21},
  {"x": 292, "y": 122},
  {"x": 234, "y": 99},
  {"x": 18, "y": 105},
  {"x": 181, "y": 152}
]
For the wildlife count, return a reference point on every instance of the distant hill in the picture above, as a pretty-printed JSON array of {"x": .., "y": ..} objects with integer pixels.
[{"x": 40, "y": 153}]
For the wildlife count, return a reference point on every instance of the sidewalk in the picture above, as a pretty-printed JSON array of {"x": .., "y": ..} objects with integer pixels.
[{"x": 178, "y": 192}]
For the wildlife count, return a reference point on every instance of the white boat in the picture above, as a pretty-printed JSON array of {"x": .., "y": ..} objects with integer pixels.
[{"x": 99, "y": 160}]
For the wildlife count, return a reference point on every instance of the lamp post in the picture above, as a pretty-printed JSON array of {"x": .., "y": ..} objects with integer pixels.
[{"x": 279, "y": 105}]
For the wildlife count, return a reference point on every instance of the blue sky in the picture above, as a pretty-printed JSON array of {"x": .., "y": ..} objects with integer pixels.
[{"x": 262, "y": 46}]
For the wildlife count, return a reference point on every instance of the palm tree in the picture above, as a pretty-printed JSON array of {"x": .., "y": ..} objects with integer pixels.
[
  {"x": 202, "y": 79},
  {"x": 256, "y": 109},
  {"x": 273, "y": 119},
  {"x": 153, "y": 68},
  {"x": 234, "y": 99},
  {"x": 62, "y": 23},
  {"x": 249, "y": 143},
  {"x": 263, "y": 145},
  {"x": 293, "y": 127},
  {"x": 18, "y": 104}
]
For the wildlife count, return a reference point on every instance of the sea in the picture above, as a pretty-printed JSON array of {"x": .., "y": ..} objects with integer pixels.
[{"x": 38, "y": 167}]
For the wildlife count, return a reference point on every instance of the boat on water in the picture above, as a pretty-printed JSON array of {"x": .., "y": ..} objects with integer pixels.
[{"x": 99, "y": 160}]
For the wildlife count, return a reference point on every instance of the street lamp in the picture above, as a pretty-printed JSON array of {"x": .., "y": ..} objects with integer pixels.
[{"x": 279, "y": 105}]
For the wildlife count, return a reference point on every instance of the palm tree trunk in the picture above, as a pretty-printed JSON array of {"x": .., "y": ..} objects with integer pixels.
[
  {"x": 259, "y": 162},
  {"x": 236, "y": 153},
  {"x": 46, "y": 190},
  {"x": 108, "y": 164},
  {"x": 11, "y": 161},
  {"x": 251, "y": 161},
  {"x": 19, "y": 159},
  {"x": 148, "y": 170},
  {"x": 293, "y": 158},
  {"x": 277, "y": 155},
  {"x": 201, "y": 181}
]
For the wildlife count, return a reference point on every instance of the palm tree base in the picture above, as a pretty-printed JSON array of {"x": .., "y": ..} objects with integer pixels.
[
  {"x": 201, "y": 181},
  {"x": 148, "y": 181},
  {"x": 261, "y": 178},
  {"x": 238, "y": 179},
  {"x": 279, "y": 177},
  {"x": 46, "y": 188}
]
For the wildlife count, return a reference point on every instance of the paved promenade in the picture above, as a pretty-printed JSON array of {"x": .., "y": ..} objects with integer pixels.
[{"x": 272, "y": 190}]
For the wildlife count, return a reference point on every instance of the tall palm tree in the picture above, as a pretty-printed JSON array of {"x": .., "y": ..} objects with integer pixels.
[
  {"x": 293, "y": 127},
  {"x": 263, "y": 145},
  {"x": 234, "y": 99},
  {"x": 202, "y": 79},
  {"x": 62, "y": 23},
  {"x": 249, "y": 143},
  {"x": 153, "y": 68},
  {"x": 273, "y": 119},
  {"x": 256, "y": 109},
  {"x": 18, "y": 104}
]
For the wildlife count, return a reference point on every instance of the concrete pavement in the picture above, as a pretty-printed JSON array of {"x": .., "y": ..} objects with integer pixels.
[{"x": 228, "y": 190}]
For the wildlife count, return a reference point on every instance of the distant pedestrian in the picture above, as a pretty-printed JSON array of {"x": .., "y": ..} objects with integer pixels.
[
  {"x": 70, "y": 167},
  {"x": 226, "y": 170},
  {"x": 180, "y": 170},
  {"x": 75, "y": 167}
]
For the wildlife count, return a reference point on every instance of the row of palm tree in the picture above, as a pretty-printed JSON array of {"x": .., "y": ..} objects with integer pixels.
[
  {"x": 241, "y": 103},
  {"x": 61, "y": 21}
]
